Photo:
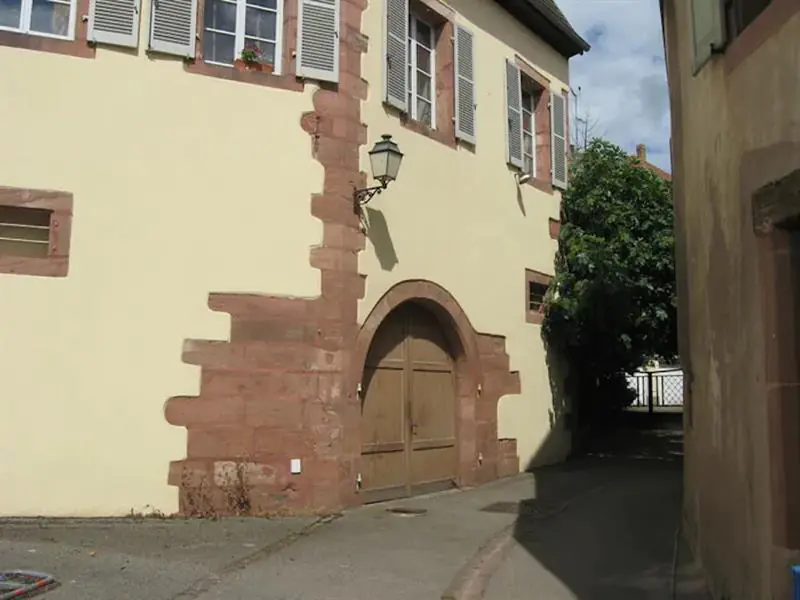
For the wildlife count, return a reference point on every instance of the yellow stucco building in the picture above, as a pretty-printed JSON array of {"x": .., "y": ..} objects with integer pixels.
[{"x": 166, "y": 205}]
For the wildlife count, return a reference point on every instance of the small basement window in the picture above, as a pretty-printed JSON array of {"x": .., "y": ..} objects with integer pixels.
[
  {"x": 25, "y": 232},
  {"x": 536, "y": 286},
  {"x": 35, "y": 231}
]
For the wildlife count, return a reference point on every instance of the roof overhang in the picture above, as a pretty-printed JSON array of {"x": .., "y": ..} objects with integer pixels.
[{"x": 552, "y": 29}]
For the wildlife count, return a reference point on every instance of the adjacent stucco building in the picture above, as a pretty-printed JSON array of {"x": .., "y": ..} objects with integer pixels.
[
  {"x": 734, "y": 79},
  {"x": 202, "y": 248}
]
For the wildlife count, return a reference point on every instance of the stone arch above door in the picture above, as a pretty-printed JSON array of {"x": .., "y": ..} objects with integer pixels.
[{"x": 482, "y": 377}]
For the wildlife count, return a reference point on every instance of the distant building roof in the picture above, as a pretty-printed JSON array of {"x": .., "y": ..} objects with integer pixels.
[
  {"x": 545, "y": 19},
  {"x": 641, "y": 154}
]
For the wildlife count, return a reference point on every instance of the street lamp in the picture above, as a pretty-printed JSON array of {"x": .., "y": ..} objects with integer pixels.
[{"x": 384, "y": 160}]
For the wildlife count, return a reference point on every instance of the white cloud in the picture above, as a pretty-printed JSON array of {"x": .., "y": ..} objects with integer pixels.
[{"x": 623, "y": 77}]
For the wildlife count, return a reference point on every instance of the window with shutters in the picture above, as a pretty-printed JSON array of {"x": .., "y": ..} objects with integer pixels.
[
  {"x": 529, "y": 130},
  {"x": 46, "y": 18},
  {"x": 421, "y": 71},
  {"x": 34, "y": 232},
  {"x": 230, "y": 26},
  {"x": 419, "y": 80}
]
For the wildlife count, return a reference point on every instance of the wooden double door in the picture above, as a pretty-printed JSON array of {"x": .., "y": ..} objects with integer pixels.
[{"x": 408, "y": 409}]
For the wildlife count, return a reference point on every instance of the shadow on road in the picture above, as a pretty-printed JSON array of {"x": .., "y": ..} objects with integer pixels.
[{"x": 614, "y": 536}]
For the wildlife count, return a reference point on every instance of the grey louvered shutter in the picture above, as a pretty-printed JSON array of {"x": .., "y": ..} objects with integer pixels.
[
  {"x": 708, "y": 30},
  {"x": 318, "y": 40},
  {"x": 513, "y": 114},
  {"x": 114, "y": 22},
  {"x": 173, "y": 27},
  {"x": 558, "y": 134},
  {"x": 396, "y": 54},
  {"x": 465, "y": 84}
]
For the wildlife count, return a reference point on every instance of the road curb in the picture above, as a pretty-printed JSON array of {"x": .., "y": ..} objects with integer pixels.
[{"x": 472, "y": 579}]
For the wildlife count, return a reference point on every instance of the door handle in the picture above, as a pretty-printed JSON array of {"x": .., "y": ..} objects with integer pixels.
[{"x": 413, "y": 429}]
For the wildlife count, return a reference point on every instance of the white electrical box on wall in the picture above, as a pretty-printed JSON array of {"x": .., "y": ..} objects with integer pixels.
[{"x": 296, "y": 466}]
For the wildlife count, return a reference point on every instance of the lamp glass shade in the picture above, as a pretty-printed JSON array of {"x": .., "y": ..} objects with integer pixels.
[{"x": 384, "y": 159}]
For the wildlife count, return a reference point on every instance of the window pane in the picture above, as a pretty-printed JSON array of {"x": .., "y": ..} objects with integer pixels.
[
  {"x": 527, "y": 144},
  {"x": 424, "y": 111},
  {"x": 50, "y": 17},
  {"x": 423, "y": 86},
  {"x": 424, "y": 34},
  {"x": 527, "y": 101},
  {"x": 10, "y": 11},
  {"x": 220, "y": 15},
  {"x": 260, "y": 23},
  {"x": 218, "y": 47},
  {"x": 267, "y": 49},
  {"x": 528, "y": 166},
  {"x": 527, "y": 121},
  {"x": 423, "y": 59},
  {"x": 273, "y": 4}
]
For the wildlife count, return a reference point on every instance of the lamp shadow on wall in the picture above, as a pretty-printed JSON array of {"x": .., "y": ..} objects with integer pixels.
[
  {"x": 512, "y": 33},
  {"x": 381, "y": 239}
]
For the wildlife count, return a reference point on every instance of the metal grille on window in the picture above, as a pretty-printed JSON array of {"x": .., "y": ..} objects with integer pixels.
[
  {"x": 536, "y": 293},
  {"x": 420, "y": 71},
  {"x": 24, "y": 232}
]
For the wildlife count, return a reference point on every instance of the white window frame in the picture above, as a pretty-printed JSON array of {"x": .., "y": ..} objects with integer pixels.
[
  {"x": 239, "y": 36},
  {"x": 412, "y": 66},
  {"x": 26, "y": 14},
  {"x": 525, "y": 90}
]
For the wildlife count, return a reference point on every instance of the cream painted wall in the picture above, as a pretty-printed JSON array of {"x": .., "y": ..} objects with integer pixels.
[
  {"x": 460, "y": 220},
  {"x": 179, "y": 191}
]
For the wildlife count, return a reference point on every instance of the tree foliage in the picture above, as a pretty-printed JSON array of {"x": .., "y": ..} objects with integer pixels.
[{"x": 612, "y": 305}]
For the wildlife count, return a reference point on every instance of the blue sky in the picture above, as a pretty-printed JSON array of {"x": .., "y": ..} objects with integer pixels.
[{"x": 623, "y": 77}]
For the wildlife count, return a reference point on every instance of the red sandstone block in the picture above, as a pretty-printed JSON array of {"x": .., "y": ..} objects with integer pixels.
[
  {"x": 258, "y": 385},
  {"x": 358, "y": 88},
  {"x": 334, "y": 259},
  {"x": 272, "y": 330},
  {"x": 259, "y": 306},
  {"x": 189, "y": 411},
  {"x": 333, "y": 104},
  {"x": 260, "y": 356},
  {"x": 336, "y": 235},
  {"x": 220, "y": 442},
  {"x": 507, "y": 467},
  {"x": 190, "y": 472},
  {"x": 288, "y": 441},
  {"x": 335, "y": 209},
  {"x": 274, "y": 411},
  {"x": 338, "y": 153},
  {"x": 507, "y": 447},
  {"x": 341, "y": 182},
  {"x": 491, "y": 344}
]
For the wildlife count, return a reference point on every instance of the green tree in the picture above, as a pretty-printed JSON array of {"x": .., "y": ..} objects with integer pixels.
[{"x": 612, "y": 305}]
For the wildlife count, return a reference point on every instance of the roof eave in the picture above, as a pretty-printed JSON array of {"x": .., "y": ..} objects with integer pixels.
[{"x": 566, "y": 43}]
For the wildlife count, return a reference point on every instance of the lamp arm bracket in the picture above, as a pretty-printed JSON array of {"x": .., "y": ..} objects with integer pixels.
[{"x": 363, "y": 196}]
